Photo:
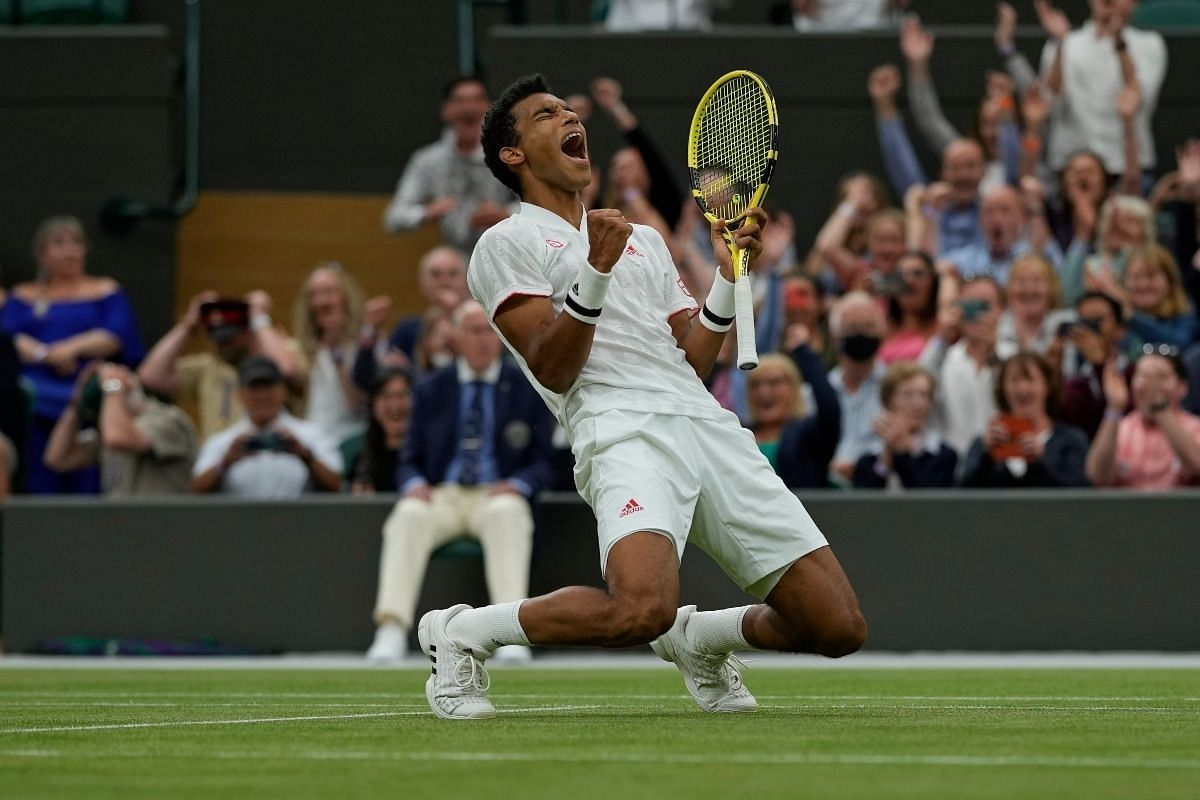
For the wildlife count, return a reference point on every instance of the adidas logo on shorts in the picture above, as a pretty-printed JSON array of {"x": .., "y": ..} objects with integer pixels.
[{"x": 630, "y": 508}]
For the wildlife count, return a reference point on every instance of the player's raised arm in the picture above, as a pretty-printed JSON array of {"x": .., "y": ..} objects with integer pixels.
[
  {"x": 557, "y": 347},
  {"x": 701, "y": 343}
]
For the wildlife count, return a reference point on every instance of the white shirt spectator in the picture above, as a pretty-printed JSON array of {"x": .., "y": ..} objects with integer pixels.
[
  {"x": 843, "y": 15},
  {"x": 660, "y": 15},
  {"x": 859, "y": 411},
  {"x": 327, "y": 406},
  {"x": 1091, "y": 75},
  {"x": 269, "y": 474},
  {"x": 965, "y": 402}
]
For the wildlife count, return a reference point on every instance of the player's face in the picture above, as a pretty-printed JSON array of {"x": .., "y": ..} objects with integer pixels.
[{"x": 552, "y": 143}]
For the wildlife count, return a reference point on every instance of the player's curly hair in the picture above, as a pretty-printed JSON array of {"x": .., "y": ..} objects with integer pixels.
[{"x": 500, "y": 128}]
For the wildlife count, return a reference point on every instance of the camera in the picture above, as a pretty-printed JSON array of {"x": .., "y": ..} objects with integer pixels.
[
  {"x": 889, "y": 285},
  {"x": 265, "y": 440},
  {"x": 973, "y": 308}
]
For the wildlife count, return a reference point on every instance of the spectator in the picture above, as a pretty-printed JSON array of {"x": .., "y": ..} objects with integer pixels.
[
  {"x": 1157, "y": 444},
  {"x": 1087, "y": 69},
  {"x": 373, "y": 468},
  {"x": 235, "y": 330},
  {"x": 640, "y": 179},
  {"x": 799, "y": 446},
  {"x": 326, "y": 318},
  {"x": 808, "y": 16},
  {"x": 1024, "y": 446},
  {"x": 995, "y": 127},
  {"x": 478, "y": 452},
  {"x": 1074, "y": 212},
  {"x": 910, "y": 454},
  {"x": 1003, "y": 218},
  {"x": 660, "y": 15},
  {"x": 1192, "y": 362},
  {"x": 1032, "y": 319},
  {"x": 1179, "y": 192},
  {"x": 143, "y": 446},
  {"x": 1096, "y": 336},
  {"x": 58, "y": 322},
  {"x": 859, "y": 196},
  {"x": 1126, "y": 223},
  {"x": 268, "y": 453},
  {"x": 442, "y": 279},
  {"x": 912, "y": 308},
  {"x": 961, "y": 356},
  {"x": 856, "y": 324},
  {"x": 447, "y": 182},
  {"x": 1155, "y": 304},
  {"x": 14, "y": 417},
  {"x": 953, "y": 203},
  {"x": 885, "y": 237}
]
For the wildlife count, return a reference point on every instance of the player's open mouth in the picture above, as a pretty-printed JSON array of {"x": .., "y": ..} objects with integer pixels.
[{"x": 574, "y": 146}]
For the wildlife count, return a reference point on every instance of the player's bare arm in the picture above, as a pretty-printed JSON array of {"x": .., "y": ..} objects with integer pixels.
[
  {"x": 700, "y": 344},
  {"x": 557, "y": 346}
]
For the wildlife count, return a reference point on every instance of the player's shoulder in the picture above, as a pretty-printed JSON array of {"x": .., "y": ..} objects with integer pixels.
[
  {"x": 649, "y": 238},
  {"x": 508, "y": 235}
]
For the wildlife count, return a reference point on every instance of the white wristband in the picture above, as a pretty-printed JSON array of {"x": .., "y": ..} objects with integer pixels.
[
  {"x": 585, "y": 299},
  {"x": 717, "y": 313}
]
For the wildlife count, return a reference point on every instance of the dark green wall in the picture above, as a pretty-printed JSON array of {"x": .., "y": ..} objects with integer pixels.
[{"x": 936, "y": 571}]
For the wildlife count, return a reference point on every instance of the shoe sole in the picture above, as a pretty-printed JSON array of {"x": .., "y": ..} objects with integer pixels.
[{"x": 424, "y": 636}]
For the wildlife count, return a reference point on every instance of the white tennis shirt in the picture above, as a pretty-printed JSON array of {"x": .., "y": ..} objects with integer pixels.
[{"x": 635, "y": 364}]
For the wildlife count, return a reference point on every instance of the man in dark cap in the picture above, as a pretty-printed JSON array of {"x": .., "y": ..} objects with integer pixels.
[{"x": 269, "y": 452}]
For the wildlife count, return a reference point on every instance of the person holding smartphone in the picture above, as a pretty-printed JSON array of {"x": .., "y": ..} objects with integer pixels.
[
  {"x": 1024, "y": 446},
  {"x": 1095, "y": 336}
]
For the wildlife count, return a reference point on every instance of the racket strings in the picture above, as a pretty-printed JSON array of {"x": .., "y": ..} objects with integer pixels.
[{"x": 732, "y": 147}]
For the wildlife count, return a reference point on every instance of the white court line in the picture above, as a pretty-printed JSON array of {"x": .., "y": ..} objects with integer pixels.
[
  {"x": 259, "y": 720},
  {"x": 698, "y": 759},
  {"x": 192, "y": 704}
]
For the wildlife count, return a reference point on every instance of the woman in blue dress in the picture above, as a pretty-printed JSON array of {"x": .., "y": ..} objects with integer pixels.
[{"x": 59, "y": 322}]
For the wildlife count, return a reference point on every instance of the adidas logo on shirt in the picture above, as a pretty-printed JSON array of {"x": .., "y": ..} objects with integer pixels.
[{"x": 632, "y": 507}]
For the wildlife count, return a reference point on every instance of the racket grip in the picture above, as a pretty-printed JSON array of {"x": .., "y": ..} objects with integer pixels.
[{"x": 743, "y": 312}]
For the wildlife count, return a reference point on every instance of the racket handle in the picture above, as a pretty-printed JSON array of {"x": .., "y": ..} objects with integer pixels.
[{"x": 743, "y": 312}]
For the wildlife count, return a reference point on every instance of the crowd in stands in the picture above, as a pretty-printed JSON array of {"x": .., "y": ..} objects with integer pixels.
[{"x": 1025, "y": 318}]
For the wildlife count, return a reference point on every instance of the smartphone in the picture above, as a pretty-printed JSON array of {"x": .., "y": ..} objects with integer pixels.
[
  {"x": 974, "y": 308},
  {"x": 888, "y": 285},
  {"x": 1016, "y": 427},
  {"x": 1064, "y": 329},
  {"x": 266, "y": 440}
]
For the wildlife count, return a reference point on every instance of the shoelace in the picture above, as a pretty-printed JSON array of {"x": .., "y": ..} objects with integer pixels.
[
  {"x": 731, "y": 672},
  {"x": 471, "y": 675}
]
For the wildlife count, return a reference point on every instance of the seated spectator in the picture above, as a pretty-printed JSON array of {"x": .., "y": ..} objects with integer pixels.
[
  {"x": 326, "y": 319},
  {"x": 59, "y": 322},
  {"x": 1073, "y": 214},
  {"x": 14, "y": 417},
  {"x": 477, "y": 453},
  {"x": 912, "y": 308},
  {"x": 856, "y": 324},
  {"x": 798, "y": 445},
  {"x": 1032, "y": 319},
  {"x": 803, "y": 304},
  {"x": 961, "y": 356},
  {"x": 1024, "y": 446},
  {"x": 442, "y": 279},
  {"x": 660, "y": 15},
  {"x": 952, "y": 205},
  {"x": 1157, "y": 444},
  {"x": 268, "y": 453},
  {"x": 143, "y": 446},
  {"x": 235, "y": 331},
  {"x": 373, "y": 468},
  {"x": 1003, "y": 220},
  {"x": 447, "y": 182},
  {"x": 1156, "y": 307},
  {"x": 809, "y": 16},
  {"x": 1126, "y": 223},
  {"x": 1192, "y": 362},
  {"x": 995, "y": 127},
  {"x": 910, "y": 454},
  {"x": 1096, "y": 336}
]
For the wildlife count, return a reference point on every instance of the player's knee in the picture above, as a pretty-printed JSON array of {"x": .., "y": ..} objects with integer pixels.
[{"x": 842, "y": 636}]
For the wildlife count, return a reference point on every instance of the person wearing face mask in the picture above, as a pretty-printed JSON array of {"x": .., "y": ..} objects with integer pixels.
[
  {"x": 1024, "y": 446},
  {"x": 143, "y": 446},
  {"x": 909, "y": 454},
  {"x": 1157, "y": 444},
  {"x": 856, "y": 324}
]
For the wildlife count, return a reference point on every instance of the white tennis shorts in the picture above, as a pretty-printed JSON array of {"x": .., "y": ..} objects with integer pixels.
[{"x": 698, "y": 479}]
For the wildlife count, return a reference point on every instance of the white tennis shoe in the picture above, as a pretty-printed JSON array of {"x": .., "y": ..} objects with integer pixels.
[
  {"x": 457, "y": 687},
  {"x": 712, "y": 679}
]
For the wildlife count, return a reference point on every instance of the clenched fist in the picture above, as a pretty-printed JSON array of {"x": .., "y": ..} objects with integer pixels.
[{"x": 608, "y": 231}]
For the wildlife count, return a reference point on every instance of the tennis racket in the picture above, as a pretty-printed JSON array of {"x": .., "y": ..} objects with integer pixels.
[{"x": 732, "y": 147}]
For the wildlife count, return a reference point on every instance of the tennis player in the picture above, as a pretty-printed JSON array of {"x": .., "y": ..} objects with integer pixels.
[{"x": 594, "y": 313}]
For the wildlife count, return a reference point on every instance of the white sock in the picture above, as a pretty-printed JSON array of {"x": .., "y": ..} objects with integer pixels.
[
  {"x": 718, "y": 631},
  {"x": 484, "y": 629}
]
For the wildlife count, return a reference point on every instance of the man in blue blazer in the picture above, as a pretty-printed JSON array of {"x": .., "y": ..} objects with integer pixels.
[{"x": 478, "y": 451}]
